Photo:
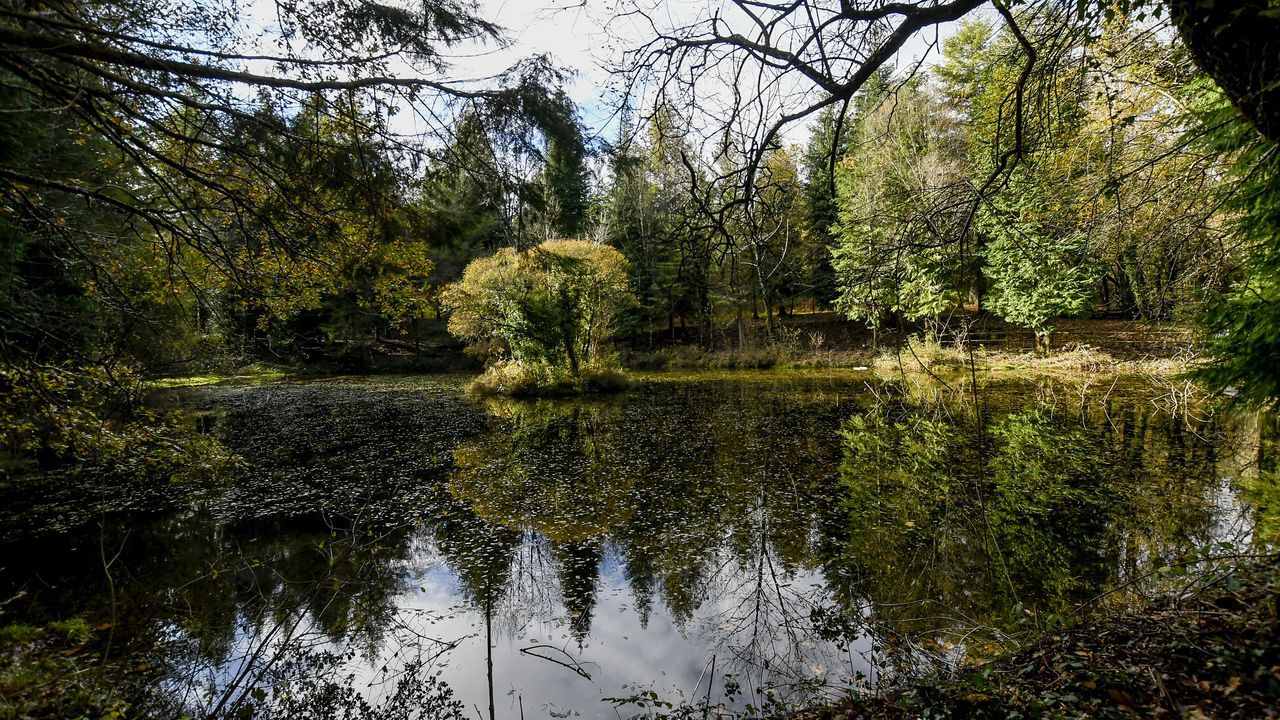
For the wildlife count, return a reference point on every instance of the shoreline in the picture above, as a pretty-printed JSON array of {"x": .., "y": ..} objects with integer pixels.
[
  {"x": 936, "y": 359},
  {"x": 1210, "y": 651},
  {"x": 943, "y": 362}
]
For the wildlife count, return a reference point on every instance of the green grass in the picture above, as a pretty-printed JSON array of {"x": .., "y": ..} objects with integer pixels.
[{"x": 258, "y": 372}]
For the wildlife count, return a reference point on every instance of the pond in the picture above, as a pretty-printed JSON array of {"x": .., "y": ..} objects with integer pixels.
[{"x": 748, "y": 541}]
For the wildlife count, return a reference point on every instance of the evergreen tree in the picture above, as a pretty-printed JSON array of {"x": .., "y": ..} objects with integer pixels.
[{"x": 565, "y": 177}]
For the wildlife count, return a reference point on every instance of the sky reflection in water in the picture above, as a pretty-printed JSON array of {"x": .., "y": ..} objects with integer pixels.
[{"x": 791, "y": 526}]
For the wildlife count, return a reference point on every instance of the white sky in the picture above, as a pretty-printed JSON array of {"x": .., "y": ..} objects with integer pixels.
[{"x": 577, "y": 34}]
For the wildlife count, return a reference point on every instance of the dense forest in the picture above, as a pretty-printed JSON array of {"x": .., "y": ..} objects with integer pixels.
[
  {"x": 161, "y": 219},
  {"x": 196, "y": 187}
]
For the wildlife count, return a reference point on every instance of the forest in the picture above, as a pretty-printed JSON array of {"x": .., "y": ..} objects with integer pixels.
[
  {"x": 1055, "y": 162},
  {"x": 398, "y": 286}
]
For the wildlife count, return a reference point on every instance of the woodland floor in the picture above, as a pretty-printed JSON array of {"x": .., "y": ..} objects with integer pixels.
[
  {"x": 1214, "y": 653},
  {"x": 1124, "y": 339}
]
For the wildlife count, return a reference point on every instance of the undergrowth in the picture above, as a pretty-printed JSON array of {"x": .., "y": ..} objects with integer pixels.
[
  {"x": 917, "y": 354},
  {"x": 51, "y": 671},
  {"x": 1211, "y": 654},
  {"x": 89, "y": 421}
]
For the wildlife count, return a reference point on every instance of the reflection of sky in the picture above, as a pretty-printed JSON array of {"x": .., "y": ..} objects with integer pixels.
[
  {"x": 621, "y": 656},
  {"x": 252, "y": 651},
  {"x": 624, "y": 656}
]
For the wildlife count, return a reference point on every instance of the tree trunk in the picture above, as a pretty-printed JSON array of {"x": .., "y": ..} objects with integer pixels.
[
  {"x": 572, "y": 353},
  {"x": 742, "y": 340},
  {"x": 1237, "y": 42},
  {"x": 1042, "y": 343}
]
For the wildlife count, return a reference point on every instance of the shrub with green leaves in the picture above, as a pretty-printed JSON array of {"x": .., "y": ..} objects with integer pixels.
[
  {"x": 91, "y": 421},
  {"x": 553, "y": 307}
]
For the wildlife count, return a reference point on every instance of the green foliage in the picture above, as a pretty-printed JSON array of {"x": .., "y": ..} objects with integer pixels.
[
  {"x": 52, "y": 671},
  {"x": 566, "y": 194},
  {"x": 820, "y": 208},
  {"x": 512, "y": 174},
  {"x": 555, "y": 306},
  {"x": 787, "y": 262},
  {"x": 90, "y": 422},
  {"x": 1242, "y": 326},
  {"x": 462, "y": 201},
  {"x": 1038, "y": 269},
  {"x": 894, "y": 252},
  {"x": 52, "y": 247},
  {"x": 652, "y": 221},
  {"x": 161, "y": 226},
  {"x": 514, "y": 379},
  {"x": 1086, "y": 194},
  {"x": 353, "y": 265}
]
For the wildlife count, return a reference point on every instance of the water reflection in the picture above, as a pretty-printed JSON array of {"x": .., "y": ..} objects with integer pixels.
[
  {"x": 959, "y": 531},
  {"x": 747, "y": 541}
]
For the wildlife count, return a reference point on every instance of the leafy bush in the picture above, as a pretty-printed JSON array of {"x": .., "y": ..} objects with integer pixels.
[
  {"x": 547, "y": 314},
  {"x": 92, "y": 419},
  {"x": 48, "y": 672},
  {"x": 540, "y": 380}
]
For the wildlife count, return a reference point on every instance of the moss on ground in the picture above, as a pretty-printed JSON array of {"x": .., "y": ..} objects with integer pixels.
[{"x": 252, "y": 373}]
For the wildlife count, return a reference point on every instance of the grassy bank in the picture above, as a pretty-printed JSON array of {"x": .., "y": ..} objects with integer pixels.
[
  {"x": 828, "y": 340},
  {"x": 913, "y": 356},
  {"x": 1210, "y": 651},
  {"x": 530, "y": 381},
  {"x": 256, "y": 373}
]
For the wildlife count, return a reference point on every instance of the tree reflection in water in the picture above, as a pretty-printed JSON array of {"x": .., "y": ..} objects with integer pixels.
[{"x": 759, "y": 539}]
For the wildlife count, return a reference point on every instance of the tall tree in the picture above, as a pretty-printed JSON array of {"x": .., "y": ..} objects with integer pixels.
[
  {"x": 820, "y": 207},
  {"x": 653, "y": 220},
  {"x": 904, "y": 195},
  {"x": 565, "y": 177}
]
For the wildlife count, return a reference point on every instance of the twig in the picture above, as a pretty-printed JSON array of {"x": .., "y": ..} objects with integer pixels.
[{"x": 572, "y": 665}]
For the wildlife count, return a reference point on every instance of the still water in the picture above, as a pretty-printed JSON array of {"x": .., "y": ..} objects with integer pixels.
[{"x": 746, "y": 541}]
